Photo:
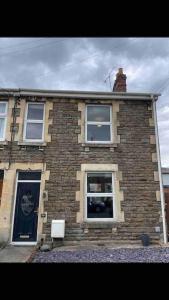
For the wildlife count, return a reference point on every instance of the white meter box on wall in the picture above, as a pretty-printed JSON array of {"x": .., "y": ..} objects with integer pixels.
[{"x": 58, "y": 229}]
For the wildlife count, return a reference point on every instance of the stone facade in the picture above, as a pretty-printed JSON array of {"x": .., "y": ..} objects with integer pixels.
[{"x": 62, "y": 156}]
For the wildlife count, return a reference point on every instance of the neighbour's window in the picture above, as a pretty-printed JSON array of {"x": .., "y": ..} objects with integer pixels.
[
  {"x": 98, "y": 123},
  {"x": 165, "y": 178},
  {"x": 3, "y": 118},
  {"x": 34, "y": 123},
  {"x": 100, "y": 196}
]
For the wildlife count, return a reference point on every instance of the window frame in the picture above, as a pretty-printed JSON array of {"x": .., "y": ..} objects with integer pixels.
[
  {"x": 26, "y": 121},
  {"x": 112, "y": 194},
  {"x": 4, "y": 116},
  {"x": 98, "y": 123}
]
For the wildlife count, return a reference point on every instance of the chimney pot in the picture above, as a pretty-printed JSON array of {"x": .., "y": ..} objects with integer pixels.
[{"x": 120, "y": 71}]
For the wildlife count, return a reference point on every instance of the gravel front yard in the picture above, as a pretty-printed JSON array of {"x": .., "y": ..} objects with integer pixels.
[{"x": 144, "y": 254}]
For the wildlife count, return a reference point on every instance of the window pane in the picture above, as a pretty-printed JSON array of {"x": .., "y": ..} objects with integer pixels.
[
  {"x": 98, "y": 132},
  {"x": 99, "y": 207},
  {"x": 99, "y": 183},
  {"x": 98, "y": 113},
  {"x": 1, "y": 174},
  {"x": 2, "y": 125},
  {"x": 165, "y": 179},
  {"x": 1, "y": 183},
  {"x": 35, "y": 111},
  {"x": 2, "y": 108},
  {"x": 34, "y": 131},
  {"x": 29, "y": 176}
]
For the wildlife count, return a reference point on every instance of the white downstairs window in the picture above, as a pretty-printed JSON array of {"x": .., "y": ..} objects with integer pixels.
[
  {"x": 3, "y": 120},
  {"x": 34, "y": 123},
  {"x": 98, "y": 124},
  {"x": 100, "y": 196}
]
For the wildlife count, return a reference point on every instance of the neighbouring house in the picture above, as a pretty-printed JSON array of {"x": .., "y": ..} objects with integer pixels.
[
  {"x": 165, "y": 177},
  {"x": 89, "y": 158}
]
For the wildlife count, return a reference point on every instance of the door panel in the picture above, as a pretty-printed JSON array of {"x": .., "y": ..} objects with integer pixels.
[{"x": 26, "y": 212}]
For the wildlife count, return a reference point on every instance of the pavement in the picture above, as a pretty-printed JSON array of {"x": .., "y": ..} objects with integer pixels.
[{"x": 15, "y": 254}]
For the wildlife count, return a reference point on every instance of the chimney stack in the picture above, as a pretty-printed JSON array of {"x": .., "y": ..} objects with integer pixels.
[{"x": 120, "y": 82}]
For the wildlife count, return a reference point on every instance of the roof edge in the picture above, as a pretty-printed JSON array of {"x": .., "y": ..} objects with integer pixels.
[{"x": 79, "y": 94}]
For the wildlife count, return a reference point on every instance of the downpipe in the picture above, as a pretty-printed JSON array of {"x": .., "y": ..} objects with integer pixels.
[{"x": 160, "y": 173}]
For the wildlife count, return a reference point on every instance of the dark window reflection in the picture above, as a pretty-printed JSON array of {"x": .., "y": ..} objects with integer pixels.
[
  {"x": 98, "y": 113},
  {"x": 99, "y": 207},
  {"x": 34, "y": 131},
  {"x": 99, "y": 183},
  {"x": 98, "y": 133},
  {"x": 29, "y": 175}
]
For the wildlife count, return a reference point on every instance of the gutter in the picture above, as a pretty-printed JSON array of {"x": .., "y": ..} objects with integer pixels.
[
  {"x": 160, "y": 173},
  {"x": 78, "y": 94}
]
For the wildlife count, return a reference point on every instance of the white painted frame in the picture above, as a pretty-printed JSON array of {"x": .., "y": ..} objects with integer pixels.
[
  {"x": 98, "y": 123},
  {"x": 4, "y": 116},
  {"x": 26, "y": 121},
  {"x": 100, "y": 195},
  {"x": 14, "y": 207}
]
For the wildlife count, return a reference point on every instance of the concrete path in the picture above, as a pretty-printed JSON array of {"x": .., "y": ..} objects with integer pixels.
[{"x": 15, "y": 254}]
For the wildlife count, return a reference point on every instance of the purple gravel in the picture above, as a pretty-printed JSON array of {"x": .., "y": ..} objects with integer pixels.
[{"x": 148, "y": 255}]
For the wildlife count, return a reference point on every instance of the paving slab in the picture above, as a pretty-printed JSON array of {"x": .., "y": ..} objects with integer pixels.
[{"x": 15, "y": 254}]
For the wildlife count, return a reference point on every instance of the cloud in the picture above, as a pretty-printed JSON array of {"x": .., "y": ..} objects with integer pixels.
[{"x": 85, "y": 63}]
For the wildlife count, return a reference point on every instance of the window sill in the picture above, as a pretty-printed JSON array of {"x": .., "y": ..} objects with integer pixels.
[
  {"x": 32, "y": 144},
  {"x": 3, "y": 142},
  {"x": 99, "y": 224},
  {"x": 99, "y": 145}
]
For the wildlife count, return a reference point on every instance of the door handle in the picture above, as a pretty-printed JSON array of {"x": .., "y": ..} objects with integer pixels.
[{"x": 36, "y": 211}]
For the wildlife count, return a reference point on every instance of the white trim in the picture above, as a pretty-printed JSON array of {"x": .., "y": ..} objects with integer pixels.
[
  {"x": 99, "y": 195},
  {"x": 4, "y": 116},
  {"x": 26, "y": 121},
  {"x": 13, "y": 213},
  {"x": 24, "y": 243},
  {"x": 28, "y": 180},
  {"x": 14, "y": 204},
  {"x": 99, "y": 123},
  {"x": 160, "y": 174}
]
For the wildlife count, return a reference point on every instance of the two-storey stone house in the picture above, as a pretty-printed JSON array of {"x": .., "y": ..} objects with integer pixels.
[{"x": 89, "y": 158}]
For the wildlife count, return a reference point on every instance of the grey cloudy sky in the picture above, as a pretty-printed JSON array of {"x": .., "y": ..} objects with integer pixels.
[{"x": 85, "y": 63}]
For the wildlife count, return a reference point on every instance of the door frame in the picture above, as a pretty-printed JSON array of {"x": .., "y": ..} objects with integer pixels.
[{"x": 14, "y": 207}]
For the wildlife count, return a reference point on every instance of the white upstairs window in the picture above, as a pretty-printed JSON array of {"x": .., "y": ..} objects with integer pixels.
[
  {"x": 34, "y": 122},
  {"x": 98, "y": 124},
  {"x": 3, "y": 120}
]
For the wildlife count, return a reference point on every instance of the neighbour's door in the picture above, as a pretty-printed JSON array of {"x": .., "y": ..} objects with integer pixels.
[{"x": 26, "y": 207}]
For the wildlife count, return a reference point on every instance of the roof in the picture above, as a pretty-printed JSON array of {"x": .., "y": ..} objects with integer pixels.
[{"x": 79, "y": 94}]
